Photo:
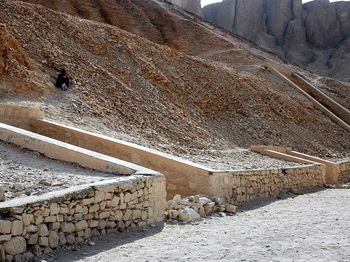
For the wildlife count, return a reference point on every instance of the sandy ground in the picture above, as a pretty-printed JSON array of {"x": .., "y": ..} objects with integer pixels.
[
  {"x": 23, "y": 173},
  {"x": 311, "y": 227},
  {"x": 236, "y": 159}
]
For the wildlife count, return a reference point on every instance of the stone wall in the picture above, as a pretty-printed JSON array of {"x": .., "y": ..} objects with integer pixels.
[
  {"x": 37, "y": 225},
  {"x": 239, "y": 187},
  {"x": 344, "y": 176}
]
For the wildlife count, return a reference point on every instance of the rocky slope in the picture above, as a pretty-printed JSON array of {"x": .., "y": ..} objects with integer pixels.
[
  {"x": 153, "y": 93},
  {"x": 148, "y": 19},
  {"x": 315, "y": 35},
  {"x": 18, "y": 73}
]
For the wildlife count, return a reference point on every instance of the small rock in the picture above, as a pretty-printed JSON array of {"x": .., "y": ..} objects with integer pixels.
[
  {"x": 2, "y": 194},
  {"x": 189, "y": 214},
  {"x": 45, "y": 182},
  {"x": 91, "y": 243},
  {"x": 18, "y": 187},
  {"x": 231, "y": 208},
  {"x": 177, "y": 199},
  {"x": 218, "y": 200},
  {"x": 221, "y": 214},
  {"x": 172, "y": 204},
  {"x": 173, "y": 214},
  {"x": 204, "y": 200}
]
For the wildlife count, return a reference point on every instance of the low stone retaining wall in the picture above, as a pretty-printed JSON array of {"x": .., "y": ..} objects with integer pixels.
[
  {"x": 239, "y": 187},
  {"x": 38, "y": 225},
  {"x": 344, "y": 176}
]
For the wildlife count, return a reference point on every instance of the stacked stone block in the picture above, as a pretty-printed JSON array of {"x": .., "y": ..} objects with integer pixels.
[
  {"x": 39, "y": 228},
  {"x": 344, "y": 175},
  {"x": 241, "y": 187}
]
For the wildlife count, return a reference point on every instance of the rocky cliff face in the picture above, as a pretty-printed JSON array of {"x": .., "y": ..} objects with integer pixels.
[
  {"x": 314, "y": 35},
  {"x": 193, "y": 6}
]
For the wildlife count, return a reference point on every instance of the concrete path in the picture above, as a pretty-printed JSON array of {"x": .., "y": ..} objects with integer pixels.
[{"x": 312, "y": 227}]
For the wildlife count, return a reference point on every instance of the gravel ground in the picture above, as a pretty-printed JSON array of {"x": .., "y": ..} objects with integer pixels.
[
  {"x": 237, "y": 158},
  {"x": 24, "y": 173},
  {"x": 312, "y": 227}
]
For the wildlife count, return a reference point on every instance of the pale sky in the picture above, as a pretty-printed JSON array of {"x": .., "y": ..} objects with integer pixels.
[{"x": 206, "y": 2}]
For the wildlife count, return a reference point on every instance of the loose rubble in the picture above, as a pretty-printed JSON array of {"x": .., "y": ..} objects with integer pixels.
[
  {"x": 24, "y": 173},
  {"x": 193, "y": 208}
]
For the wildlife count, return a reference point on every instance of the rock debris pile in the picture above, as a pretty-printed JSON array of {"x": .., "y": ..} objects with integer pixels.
[{"x": 192, "y": 208}]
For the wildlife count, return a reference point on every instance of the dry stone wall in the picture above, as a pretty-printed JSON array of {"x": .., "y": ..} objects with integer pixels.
[
  {"x": 344, "y": 174},
  {"x": 240, "y": 187},
  {"x": 34, "y": 226}
]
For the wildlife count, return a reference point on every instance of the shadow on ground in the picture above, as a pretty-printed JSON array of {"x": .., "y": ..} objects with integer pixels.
[
  {"x": 255, "y": 204},
  {"x": 133, "y": 235},
  {"x": 106, "y": 243}
]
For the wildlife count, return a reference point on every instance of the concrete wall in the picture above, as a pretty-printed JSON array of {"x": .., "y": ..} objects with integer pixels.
[
  {"x": 36, "y": 225},
  {"x": 344, "y": 176},
  {"x": 18, "y": 116},
  {"x": 240, "y": 187},
  {"x": 183, "y": 177}
]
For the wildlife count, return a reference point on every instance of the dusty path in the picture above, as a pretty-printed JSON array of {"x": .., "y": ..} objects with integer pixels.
[{"x": 313, "y": 227}]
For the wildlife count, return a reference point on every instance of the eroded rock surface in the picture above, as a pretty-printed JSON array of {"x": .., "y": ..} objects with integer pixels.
[
  {"x": 193, "y": 6},
  {"x": 314, "y": 34}
]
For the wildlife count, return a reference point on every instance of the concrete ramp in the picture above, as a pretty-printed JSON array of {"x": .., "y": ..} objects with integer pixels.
[
  {"x": 325, "y": 100},
  {"x": 325, "y": 104},
  {"x": 69, "y": 153},
  {"x": 183, "y": 177}
]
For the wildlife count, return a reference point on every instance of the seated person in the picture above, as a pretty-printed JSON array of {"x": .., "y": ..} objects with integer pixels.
[{"x": 62, "y": 80}]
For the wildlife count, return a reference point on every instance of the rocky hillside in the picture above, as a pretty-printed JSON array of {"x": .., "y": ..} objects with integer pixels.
[
  {"x": 148, "y": 19},
  {"x": 315, "y": 35},
  {"x": 178, "y": 103},
  {"x": 18, "y": 73}
]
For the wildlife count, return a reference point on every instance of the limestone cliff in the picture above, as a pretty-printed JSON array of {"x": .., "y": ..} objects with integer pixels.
[
  {"x": 193, "y": 6},
  {"x": 314, "y": 35}
]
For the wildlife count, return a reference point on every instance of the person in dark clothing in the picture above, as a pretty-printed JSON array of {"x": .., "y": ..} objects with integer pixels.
[{"x": 62, "y": 80}]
